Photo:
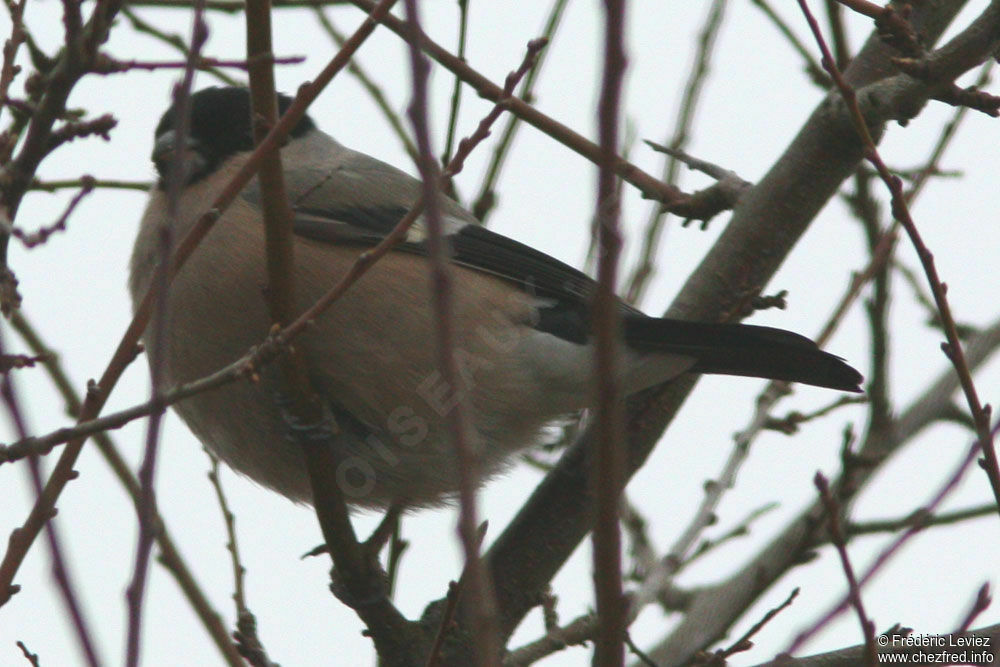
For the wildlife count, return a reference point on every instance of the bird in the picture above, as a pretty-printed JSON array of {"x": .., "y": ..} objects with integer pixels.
[{"x": 522, "y": 335}]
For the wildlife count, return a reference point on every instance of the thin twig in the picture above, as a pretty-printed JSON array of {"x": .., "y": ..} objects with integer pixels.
[
  {"x": 53, "y": 186},
  {"x": 456, "y": 91},
  {"x": 232, "y": 546},
  {"x": 693, "y": 88},
  {"x": 982, "y": 602},
  {"x": 901, "y": 212},
  {"x": 233, "y": 6},
  {"x": 650, "y": 187},
  {"x": 812, "y": 68},
  {"x": 445, "y": 626},
  {"x": 833, "y": 513},
  {"x": 578, "y": 631},
  {"x": 246, "y": 635},
  {"x": 110, "y": 65},
  {"x": 18, "y": 35},
  {"x": 481, "y": 603},
  {"x": 889, "y": 551},
  {"x": 28, "y": 655},
  {"x": 60, "y": 572},
  {"x": 371, "y": 87},
  {"x": 157, "y": 352},
  {"x": 143, "y": 26},
  {"x": 169, "y": 556},
  {"x": 42, "y": 234},
  {"x": 743, "y": 643},
  {"x": 918, "y": 518},
  {"x": 485, "y": 199},
  {"x": 608, "y": 459}
]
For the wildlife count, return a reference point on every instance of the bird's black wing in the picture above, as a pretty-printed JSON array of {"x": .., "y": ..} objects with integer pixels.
[{"x": 562, "y": 292}]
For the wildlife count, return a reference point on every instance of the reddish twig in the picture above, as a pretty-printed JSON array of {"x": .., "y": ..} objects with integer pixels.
[
  {"x": 982, "y": 602},
  {"x": 9, "y": 362},
  {"x": 853, "y": 590},
  {"x": 889, "y": 551},
  {"x": 650, "y": 186},
  {"x": 168, "y": 556},
  {"x": 901, "y": 212},
  {"x": 608, "y": 459},
  {"x": 156, "y": 353},
  {"x": 71, "y": 130},
  {"x": 60, "y": 572},
  {"x": 893, "y": 25},
  {"x": 744, "y": 643},
  {"x": 32, "y": 239},
  {"x": 125, "y": 352}
]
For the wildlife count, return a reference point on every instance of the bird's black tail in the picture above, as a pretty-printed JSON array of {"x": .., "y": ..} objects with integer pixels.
[{"x": 742, "y": 349}]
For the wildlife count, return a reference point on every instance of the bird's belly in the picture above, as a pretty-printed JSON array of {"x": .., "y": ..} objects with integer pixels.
[{"x": 372, "y": 358}]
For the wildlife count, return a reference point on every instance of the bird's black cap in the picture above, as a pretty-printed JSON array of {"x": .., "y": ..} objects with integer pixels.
[{"x": 221, "y": 123}]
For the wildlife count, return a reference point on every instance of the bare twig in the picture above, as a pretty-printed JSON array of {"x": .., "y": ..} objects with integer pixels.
[
  {"x": 790, "y": 423},
  {"x": 608, "y": 459},
  {"x": 456, "y": 90},
  {"x": 358, "y": 580},
  {"x": 60, "y": 572},
  {"x": 18, "y": 34},
  {"x": 234, "y": 6},
  {"x": 232, "y": 546},
  {"x": 32, "y": 239},
  {"x": 812, "y": 68},
  {"x": 9, "y": 362},
  {"x": 52, "y": 186},
  {"x": 143, "y": 26},
  {"x": 157, "y": 350},
  {"x": 581, "y": 630},
  {"x": 109, "y": 65},
  {"x": 28, "y": 655},
  {"x": 835, "y": 17},
  {"x": 918, "y": 518},
  {"x": 373, "y": 88},
  {"x": 953, "y": 350},
  {"x": 743, "y": 643},
  {"x": 486, "y": 199},
  {"x": 647, "y": 184},
  {"x": 480, "y": 603},
  {"x": 982, "y": 602},
  {"x": 169, "y": 556},
  {"x": 445, "y": 626},
  {"x": 889, "y": 551},
  {"x": 833, "y": 513},
  {"x": 693, "y": 88},
  {"x": 246, "y": 635}
]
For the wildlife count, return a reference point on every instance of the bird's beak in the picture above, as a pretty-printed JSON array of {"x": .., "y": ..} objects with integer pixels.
[{"x": 192, "y": 165}]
